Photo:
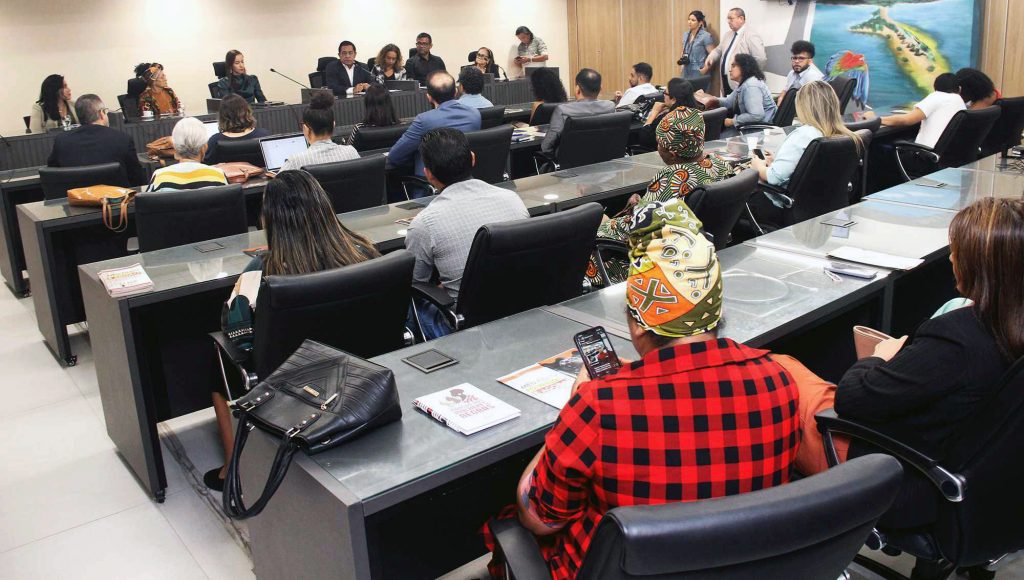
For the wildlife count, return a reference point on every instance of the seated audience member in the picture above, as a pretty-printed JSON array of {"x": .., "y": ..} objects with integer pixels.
[
  {"x": 346, "y": 75},
  {"x": 679, "y": 93},
  {"x": 447, "y": 112},
  {"x": 95, "y": 142},
  {"x": 751, "y": 102},
  {"x": 924, "y": 393},
  {"x": 237, "y": 82},
  {"x": 420, "y": 66},
  {"x": 236, "y": 123},
  {"x": 303, "y": 236},
  {"x": 472, "y": 83},
  {"x": 388, "y": 66},
  {"x": 588, "y": 87},
  {"x": 933, "y": 112},
  {"x": 318, "y": 128},
  {"x": 804, "y": 71},
  {"x": 441, "y": 235},
  {"x": 976, "y": 88},
  {"x": 158, "y": 98},
  {"x": 380, "y": 111},
  {"x": 547, "y": 88},
  {"x": 53, "y": 109},
  {"x": 697, "y": 417},
  {"x": 818, "y": 109},
  {"x": 189, "y": 137},
  {"x": 639, "y": 85}
]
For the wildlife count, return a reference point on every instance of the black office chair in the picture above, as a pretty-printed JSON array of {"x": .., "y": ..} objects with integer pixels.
[
  {"x": 553, "y": 248},
  {"x": 214, "y": 91},
  {"x": 244, "y": 150},
  {"x": 353, "y": 184},
  {"x": 589, "y": 140},
  {"x": 492, "y": 116},
  {"x": 165, "y": 219},
  {"x": 719, "y": 205},
  {"x": 1006, "y": 132},
  {"x": 318, "y": 78},
  {"x": 135, "y": 87},
  {"x": 860, "y": 178},
  {"x": 700, "y": 83},
  {"x": 872, "y": 125},
  {"x": 129, "y": 106},
  {"x": 542, "y": 114},
  {"x": 843, "y": 86},
  {"x": 959, "y": 144},
  {"x": 807, "y": 529},
  {"x": 219, "y": 69},
  {"x": 491, "y": 147},
  {"x": 359, "y": 308},
  {"x": 821, "y": 182},
  {"x": 784, "y": 115},
  {"x": 371, "y": 138},
  {"x": 974, "y": 488},
  {"x": 56, "y": 181},
  {"x": 714, "y": 120}
]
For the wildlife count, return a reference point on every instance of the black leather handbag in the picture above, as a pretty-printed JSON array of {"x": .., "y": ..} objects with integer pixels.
[{"x": 317, "y": 399}]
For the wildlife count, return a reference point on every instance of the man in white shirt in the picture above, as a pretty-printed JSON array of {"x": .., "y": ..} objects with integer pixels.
[
  {"x": 804, "y": 71},
  {"x": 933, "y": 112},
  {"x": 739, "y": 39},
  {"x": 639, "y": 85},
  {"x": 346, "y": 75}
]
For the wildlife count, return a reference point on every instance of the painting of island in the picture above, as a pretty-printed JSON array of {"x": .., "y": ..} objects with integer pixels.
[{"x": 905, "y": 43}]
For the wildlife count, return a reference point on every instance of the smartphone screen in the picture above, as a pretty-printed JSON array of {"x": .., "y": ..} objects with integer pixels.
[
  {"x": 598, "y": 354},
  {"x": 759, "y": 153}
]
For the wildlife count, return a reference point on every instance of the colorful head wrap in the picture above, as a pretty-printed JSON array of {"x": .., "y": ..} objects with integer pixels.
[
  {"x": 674, "y": 286},
  {"x": 681, "y": 132}
]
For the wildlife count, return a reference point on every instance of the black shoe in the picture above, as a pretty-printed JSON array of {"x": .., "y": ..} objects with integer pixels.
[{"x": 213, "y": 480}]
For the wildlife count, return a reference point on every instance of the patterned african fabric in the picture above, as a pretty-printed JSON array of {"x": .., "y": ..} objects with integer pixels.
[
  {"x": 160, "y": 102},
  {"x": 687, "y": 422},
  {"x": 681, "y": 132}
]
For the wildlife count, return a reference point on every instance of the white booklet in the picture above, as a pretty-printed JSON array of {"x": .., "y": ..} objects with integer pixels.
[
  {"x": 873, "y": 258},
  {"x": 124, "y": 281},
  {"x": 466, "y": 408},
  {"x": 550, "y": 380}
]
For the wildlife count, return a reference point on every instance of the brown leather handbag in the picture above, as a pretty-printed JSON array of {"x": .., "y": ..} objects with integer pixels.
[
  {"x": 162, "y": 147},
  {"x": 113, "y": 201},
  {"x": 239, "y": 171}
]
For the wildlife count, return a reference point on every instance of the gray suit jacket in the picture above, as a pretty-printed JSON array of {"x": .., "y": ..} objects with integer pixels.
[
  {"x": 748, "y": 43},
  {"x": 571, "y": 109}
]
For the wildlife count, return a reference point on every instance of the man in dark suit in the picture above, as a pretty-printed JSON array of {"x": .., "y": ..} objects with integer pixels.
[
  {"x": 346, "y": 75},
  {"x": 95, "y": 142}
]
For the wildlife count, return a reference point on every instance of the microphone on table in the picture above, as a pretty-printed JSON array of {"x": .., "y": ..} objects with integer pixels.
[
  {"x": 502, "y": 69},
  {"x": 289, "y": 78}
]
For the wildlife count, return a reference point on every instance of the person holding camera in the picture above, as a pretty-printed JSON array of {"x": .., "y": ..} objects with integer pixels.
[{"x": 696, "y": 45}]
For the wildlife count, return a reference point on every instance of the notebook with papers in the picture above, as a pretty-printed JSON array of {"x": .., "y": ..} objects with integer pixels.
[{"x": 277, "y": 149}]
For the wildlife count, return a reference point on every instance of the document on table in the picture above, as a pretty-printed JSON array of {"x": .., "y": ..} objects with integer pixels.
[
  {"x": 875, "y": 258},
  {"x": 550, "y": 380}
]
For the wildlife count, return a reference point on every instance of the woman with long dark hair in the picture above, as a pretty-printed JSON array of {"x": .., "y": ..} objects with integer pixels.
[
  {"x": 236, "y": 81},
  {"x": 54, "y": 108},
  {"x": 547, "y": 88},
  {"x": 751, "y": 102},
  {"x": 696, "y": 45},
  {"x": 303, "y": 236},
  {"x": 532, "y": 51},
  {"x": 380, "y": 111},
  {"x": 388, "y": 66},
  {"x": 678, "y": 93}
]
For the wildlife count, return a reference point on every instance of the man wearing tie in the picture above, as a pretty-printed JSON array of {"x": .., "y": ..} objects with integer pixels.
[
  {"x": 739, "y": 39},
  {"x": 346, "y": 76}
]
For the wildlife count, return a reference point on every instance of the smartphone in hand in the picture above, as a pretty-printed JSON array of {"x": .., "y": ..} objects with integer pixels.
[{"x": 596, "y": 349}]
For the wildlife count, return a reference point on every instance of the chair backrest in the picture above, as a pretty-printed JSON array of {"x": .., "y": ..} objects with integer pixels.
[
  {"x": 552, "y": 249},
  {"x": 960, "y": 142},
  {"x": 370, "y": 138},
  {"x": 593, "y": 139},
  {"x": 214, "y": 91},
  {"x": 808, "y": 529},
  {"x": 823, "y": 179},
  {"x": 720, "y": 204},
  {"x": 860, "y": 178},
  {"x": 316, "y": 80},
  {"x": 786, "y": 111},
  {"x": 492, "y": 116},
  {"x": 491, "y": 147},
  {"x": 542, "y": 114},
  {"x": 323, "y": 61},
  {"x": 700, "y": 83},
  {"x": 129, "y": 106},
  {"x": 165, "y": 219},
  {"x": 371, "y": 62},
  {"x": 247, "y": 150},
  {"x": 713, "y": 122},
  {"x": 219, "y": 70},
  {"x": 1007, "y": 130},
  {"x": 353, "y": 184},
  {"x": 843, "y": 86},
  {"x": 872, "y": 124},
  {"x": 359, "y": 308},
  {"x": 135, "y": 87},
  {"x": 56, "y": 181}
]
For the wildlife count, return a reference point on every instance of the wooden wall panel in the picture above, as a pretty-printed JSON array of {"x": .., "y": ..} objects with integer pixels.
[
  {"x": 599, "y": 40},
  {"x": 647, "y": 32},
  {"x": 1013, "y": 57},
  {"x": 993, "y": 39},
  {"x": 574, "y": 41}
]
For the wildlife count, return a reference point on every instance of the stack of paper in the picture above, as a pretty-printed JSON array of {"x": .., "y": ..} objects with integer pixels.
[
  {"x": 550, "y": 380},
  {"x": 124, "y": 281},
  {"x": 466, "y": 408},
  {"x": 873, "y": 258}
]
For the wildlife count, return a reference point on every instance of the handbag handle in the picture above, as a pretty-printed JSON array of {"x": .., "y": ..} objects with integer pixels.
[{"x": 234, "y": 505}]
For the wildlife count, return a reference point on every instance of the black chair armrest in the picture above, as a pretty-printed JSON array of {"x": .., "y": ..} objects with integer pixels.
[
  {"x": 775, "y": 192},
  {"x": 520, "y": 550},
  {"x": 440, "y": 298},
  {"x": 416, "y": 181},
  {"x": 540, "y": 157},
  {"x": 950, "y": 485},
  {"x": 751, "y": 127},
  {"x": 236, "y": 355},
  {"x": 238, "y": 358},
  {"x": 604, "y": 247},
  {"x": 923, "y": 151}
]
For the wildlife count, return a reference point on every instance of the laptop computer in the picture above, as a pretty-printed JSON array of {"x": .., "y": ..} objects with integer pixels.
[
  {"x": 212, "y": 128},
  {"x": 277, "y": 149},
  {"x": 393, "y": 85}
]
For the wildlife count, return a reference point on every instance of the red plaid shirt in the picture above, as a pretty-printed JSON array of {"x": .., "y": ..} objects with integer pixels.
[{"x": 694, "y": 421}]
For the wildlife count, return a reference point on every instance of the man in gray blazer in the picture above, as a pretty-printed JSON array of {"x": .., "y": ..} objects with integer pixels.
[
  {"x": 739, "y": 39},
  {"x": 588, "y": 87}
]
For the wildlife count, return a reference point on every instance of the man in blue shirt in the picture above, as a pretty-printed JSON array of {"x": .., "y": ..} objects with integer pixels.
[
  {"x": 447, "y": 112},
  {"x": 472, "y": 82}
]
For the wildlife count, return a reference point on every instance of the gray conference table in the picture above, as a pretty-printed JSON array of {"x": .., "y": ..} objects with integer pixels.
[{"x": 954, "y": 188}]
